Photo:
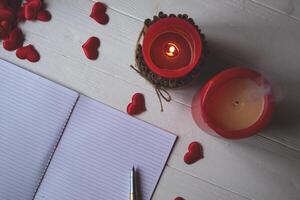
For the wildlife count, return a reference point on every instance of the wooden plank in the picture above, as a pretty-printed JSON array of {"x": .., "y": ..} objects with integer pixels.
[
  {"x": 138, "y": 9},
  {"x": 256, "y": 167},
  {"x": 174, "y": 183},
  {"x": 289, "y": 7}
]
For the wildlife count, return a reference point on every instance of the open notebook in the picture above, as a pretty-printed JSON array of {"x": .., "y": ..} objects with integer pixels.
[{"x": 58, "y": 145}]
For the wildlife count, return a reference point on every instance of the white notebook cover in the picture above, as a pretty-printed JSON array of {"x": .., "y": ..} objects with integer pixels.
[{"x": 96, "y": 152}]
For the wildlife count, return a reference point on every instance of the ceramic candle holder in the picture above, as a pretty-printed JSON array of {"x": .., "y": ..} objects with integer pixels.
[
  {"x": 234, "y": 104},
  {"x": 170, "y": 51}
]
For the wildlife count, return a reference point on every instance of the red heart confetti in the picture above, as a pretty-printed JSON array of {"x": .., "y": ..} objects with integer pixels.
[
  {"x": 179, "y": 198},
  {"x": 44, "y": 16},
  {"x": 15, "y": 40},
  {"x": 28, "y": 52},
  {"x": 137, "y": 104},
  {"x": 90, "y": 48},
  {"x": 4, "y": 28},
  {"x": 99, "y": 13},
  {"x": 6, "y": 14},
  {"x": 14, "y": 11},
  {"x": 195, "y": 153},
  {"x": 31, "y": 9},
  {"x": 21, "y": 15}
]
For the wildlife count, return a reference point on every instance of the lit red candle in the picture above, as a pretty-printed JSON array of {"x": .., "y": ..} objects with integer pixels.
[
  {"x": 172, "y": 47},
  {"x": 236, "y": 103}
]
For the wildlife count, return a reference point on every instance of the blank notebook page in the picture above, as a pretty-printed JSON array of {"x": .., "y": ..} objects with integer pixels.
[
  {"x": 95, "y": 155},
  {"x": 33, "y": 112}
]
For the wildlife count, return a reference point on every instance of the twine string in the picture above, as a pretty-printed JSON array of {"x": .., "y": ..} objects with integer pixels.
[
  {"x": 162, "y": 93},
  {"x": 159, "y": 98},
  {"x": 136, "y": 69}
]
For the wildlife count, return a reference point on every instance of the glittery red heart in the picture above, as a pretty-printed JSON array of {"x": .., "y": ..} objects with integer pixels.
[
  {"x": 44, "y": 15},
  {"x": 195, "y": 153},
  {"x": 4, "y": 28},
  {"x": 29, "y": 53},
  {"x": 15, "y": 40},
  {"x": 179, "y": 198},
  {"x": 99, "y": 13},
  {"x": 90, "y": 48},
  {"x": 137, "y": 104},
  {"x": 31, "y": 9}
]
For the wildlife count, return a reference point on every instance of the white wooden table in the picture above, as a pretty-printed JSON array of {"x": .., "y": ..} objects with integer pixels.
[{"x": 262, "y": 34}]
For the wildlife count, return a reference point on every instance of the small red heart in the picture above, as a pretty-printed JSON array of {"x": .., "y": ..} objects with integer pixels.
[
  {"x": 195, "y": 153},
  {"x": 31, "y": 9},
  {"x": 179, "y": 198},
  {"x": 44, "y": 16},
  {"x": 28, "y": 52},
  {"x": 137, "y": 104},
  {"x": 21, "y": 15},
  {"x": 90, "y": 48},
  {"x": 6, "y": 14},
  {"x": 99, "y": 13},
  {"x": 4, "y": 28},
  {"x": 15, "y": 40}
]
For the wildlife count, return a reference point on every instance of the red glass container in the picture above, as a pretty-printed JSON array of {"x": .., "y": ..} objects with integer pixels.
[
  {"x": 234, "y": 104},
  {"x": 172, "y": 47}
]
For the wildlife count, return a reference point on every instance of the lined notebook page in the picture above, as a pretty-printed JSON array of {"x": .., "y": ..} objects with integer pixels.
[
  {"x": 97, "y": 151},
  {"x": 33, "y": 112}
]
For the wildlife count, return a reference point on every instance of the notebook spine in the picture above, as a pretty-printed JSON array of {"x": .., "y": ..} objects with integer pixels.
[{"x": 54, "y": 150}]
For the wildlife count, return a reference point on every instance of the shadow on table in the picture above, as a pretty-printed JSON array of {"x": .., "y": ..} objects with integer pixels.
[{"x": 285, "y": 123}]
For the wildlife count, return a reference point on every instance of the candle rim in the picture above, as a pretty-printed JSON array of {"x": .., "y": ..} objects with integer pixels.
[
  {"x": 189, "y": 30},
  {"x": 230, "y": 74}
]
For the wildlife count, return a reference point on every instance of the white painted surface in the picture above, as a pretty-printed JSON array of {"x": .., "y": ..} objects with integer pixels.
[
  {"x": 288, "y": 7},
  {"x": 239, "y": 32}
]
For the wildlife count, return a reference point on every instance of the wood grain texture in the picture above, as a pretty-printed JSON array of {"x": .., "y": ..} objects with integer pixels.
[
  {"x": 174, "y": 183},
  {"x": 136, "y": 9},
  {"x": 257, "y": 168},
  {"x": 287, "y": 7}
]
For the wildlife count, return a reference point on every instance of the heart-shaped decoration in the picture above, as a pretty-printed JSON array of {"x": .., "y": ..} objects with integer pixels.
[
  {"x": 195, "y": 153},
  {"x": 31, "y": 9},
  {"x": 21, "y": 15},
  {"x": 99, "y": 13},
  {"x": 137, "y": 104},
  {"x": 15, "y": 40},
  {"x": 44, "y": 16},
  {"x": 90, "y": 48},
  {"x": 4, "y": 28},
  {"x": 28, "y": 52},
  {"x": 6, "y": 14},
  {"x": 179, "y": 198}
]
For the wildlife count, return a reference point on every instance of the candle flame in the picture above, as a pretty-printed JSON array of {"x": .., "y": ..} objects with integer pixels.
[{"x": 171, "y": 49}]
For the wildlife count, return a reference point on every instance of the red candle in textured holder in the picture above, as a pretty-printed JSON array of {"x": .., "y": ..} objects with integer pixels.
[
  {"x": 235, "y": 104},
  {"x": 172, "y": 47}
]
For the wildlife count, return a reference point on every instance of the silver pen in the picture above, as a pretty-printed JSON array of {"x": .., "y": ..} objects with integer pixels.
[{"x": 132, "y": 194}]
